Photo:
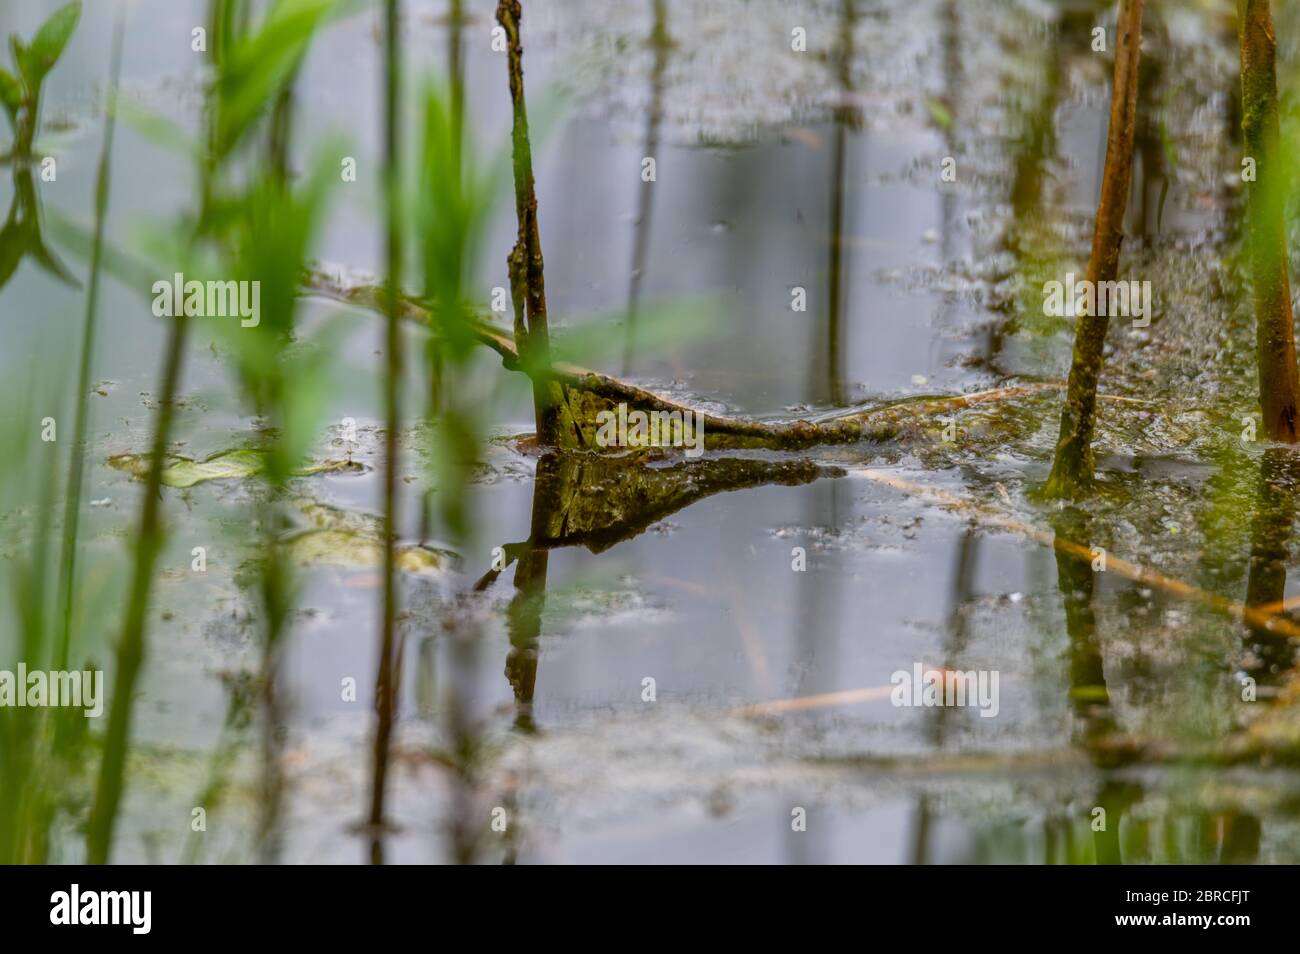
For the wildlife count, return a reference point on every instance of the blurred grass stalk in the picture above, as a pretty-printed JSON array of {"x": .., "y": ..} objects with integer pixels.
[
  {"x": 77, "y": 458},
  {"x": 386, "y": 678},
  {"x": 35, "y": 785},
  {"x": 130, "y": 650},
  {"x": 31, "y": 784},
  {"x": 253, "y": 68}
]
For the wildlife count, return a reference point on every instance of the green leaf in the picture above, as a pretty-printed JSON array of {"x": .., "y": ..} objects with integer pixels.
[
  {"x": 18, "y": 50},
  {"x": 50, "y": 41},
  {"x": 260, "y": 65},
  {"x": 11, "y": 97}
]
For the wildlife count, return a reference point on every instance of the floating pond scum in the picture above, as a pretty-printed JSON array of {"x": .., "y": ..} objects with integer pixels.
[{"x": 650, "y": 431}]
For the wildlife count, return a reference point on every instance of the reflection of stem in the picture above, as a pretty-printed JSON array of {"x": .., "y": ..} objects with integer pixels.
[
  {"x": 21, "y": 235},
  {"x": 223, "y": 755},
  {"x": 845, "y": 116},
  {"x": 1149, "y": 142},
  {"x": 1088, "y": 693},
  {"x": 275, "y": 604},
  {"x": 1270, "y": 551},
  {"x": 525, "y": 624},
  {"x": 660, "y": 41},
  {"x": 963, "y": 581}
]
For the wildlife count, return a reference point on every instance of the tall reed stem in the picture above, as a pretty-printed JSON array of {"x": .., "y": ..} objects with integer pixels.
[
  {"x": 1072, "y": 469},
  {"x": 527, "y": 284},
  {"x": 386, "y": 684},
  {"x": 1279, "y": 379}
]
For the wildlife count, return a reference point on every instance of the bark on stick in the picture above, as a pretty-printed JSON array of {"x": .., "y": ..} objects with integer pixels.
[
  {"x": 1072, "y": 468},
  {"x": 1279, "y": 380}
]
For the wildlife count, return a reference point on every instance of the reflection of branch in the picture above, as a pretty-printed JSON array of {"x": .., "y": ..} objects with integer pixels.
[
  {"x": 596, "y": 502},
  {"x": 1270, "y": 551},
  {"x": 1089, "y": 695},
  {"x": 660, "y": 42},
  {"x": 581, "y": 500}
]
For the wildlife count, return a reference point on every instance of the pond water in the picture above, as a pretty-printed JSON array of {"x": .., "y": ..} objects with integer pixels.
[{"x": 776, "y": 172}]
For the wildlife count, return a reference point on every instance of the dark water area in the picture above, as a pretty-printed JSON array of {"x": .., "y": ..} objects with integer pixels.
[{"x": 768, "y": 598}]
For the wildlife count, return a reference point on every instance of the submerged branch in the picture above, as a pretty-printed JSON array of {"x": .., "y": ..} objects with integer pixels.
[{"x": 587, "y": 393}]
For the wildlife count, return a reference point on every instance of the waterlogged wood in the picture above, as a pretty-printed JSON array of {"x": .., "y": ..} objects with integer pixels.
[
  {"x": 238, "y": 464},
  {"x": 1072, "y": 468},
  {"x": 586, "y": 393},
  {"x": 1279, "y": 379}
]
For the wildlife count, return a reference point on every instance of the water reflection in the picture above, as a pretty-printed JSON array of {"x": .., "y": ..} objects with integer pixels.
[
  {"x": 661, "y": 43},
  {"x": 582, "y": 500}
]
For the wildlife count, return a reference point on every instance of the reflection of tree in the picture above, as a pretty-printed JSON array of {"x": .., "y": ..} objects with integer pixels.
[
  {"x": 1089, "y": 696},
  {"x": 847, "y": 117},
  {"x": 963, "y": 585},
  {"x": 1270, "y": 550},
  {"x": 661, "y": 43},
  {"x": 596, "y": 502},
  {"x": 1153, "y": 188}
]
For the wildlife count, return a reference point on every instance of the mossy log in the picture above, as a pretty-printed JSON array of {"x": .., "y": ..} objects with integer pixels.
[{"x": 586, "y": 393}]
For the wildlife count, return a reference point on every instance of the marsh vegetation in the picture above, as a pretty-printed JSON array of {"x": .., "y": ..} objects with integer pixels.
[{"x": 380, "y": 564}]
